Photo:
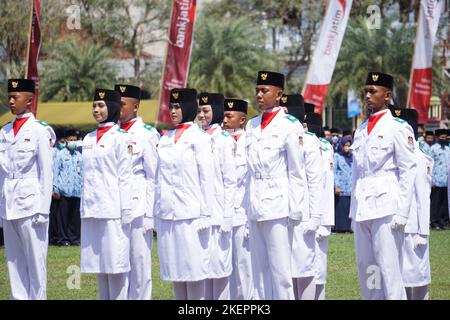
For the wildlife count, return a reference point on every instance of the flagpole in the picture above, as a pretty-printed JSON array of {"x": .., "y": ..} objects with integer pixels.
[
  {"x": 164, "y": 66},
  {"x": 414, "y": 55},
  {"x": 29, "y": 39}
]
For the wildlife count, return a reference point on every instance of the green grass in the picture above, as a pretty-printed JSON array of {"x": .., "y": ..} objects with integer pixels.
[{"x": 342, "y": 277}]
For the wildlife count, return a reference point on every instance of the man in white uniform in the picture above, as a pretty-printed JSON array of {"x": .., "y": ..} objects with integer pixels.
[
  {"x": 26, "y": 188},
  {"x": 302, "y": 236},
  {"x": 415, "y": 254},
  {"x": 241, "y": 280},
  {"x": 384, "y": 169},
  {"x": 210, "y": 114},
  {"x": 144, "y": 139},
  {"x": 275, "y": 189}
]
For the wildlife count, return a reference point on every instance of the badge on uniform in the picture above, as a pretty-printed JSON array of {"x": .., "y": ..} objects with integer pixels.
[
  {"x": 320, "y": 148},
  {"x": 130, "y": 149},
  {"x": 331, "y": 166},
  {"x": 410, "y": 140},
  {"x": 300, "y": 140},
  {"x": 428, "y": 170},
  {"x": 380, "y": 137},
  {"x": 28, "y": 140}
]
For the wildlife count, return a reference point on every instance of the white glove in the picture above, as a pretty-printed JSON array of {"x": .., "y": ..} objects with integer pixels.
[
  {"x": 39, "y": 218},
  {"x": 227, "y": 225},
  {"x": 127, "y": 217},
  {"x": 203, "y": 223},
  {"x": 293, "y": 222},
  {"x": 323, "y": 232},
  {"x": 312, "y": 225},
  {"x": 398, "y": 222},
  {"x": 148, "y": 224},
  {"x": 420, "y": 240},
  {"x": 246, "y": 231}
]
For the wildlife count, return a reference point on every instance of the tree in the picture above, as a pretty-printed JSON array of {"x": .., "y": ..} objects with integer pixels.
[
  {"x": 73, "y": 71},
  {"x": 227, "y": 55}
]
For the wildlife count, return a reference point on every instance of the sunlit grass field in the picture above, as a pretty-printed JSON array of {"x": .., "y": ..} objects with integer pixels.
[{"x": 342, "y": 276}]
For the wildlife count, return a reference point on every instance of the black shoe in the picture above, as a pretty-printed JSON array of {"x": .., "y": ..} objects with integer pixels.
[{"x": 64, "y": 244}]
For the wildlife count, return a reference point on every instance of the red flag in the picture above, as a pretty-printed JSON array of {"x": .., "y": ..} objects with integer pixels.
[
  {"x": 420, "y": 88},
  {"x": 178, "y": 54},
  {"x": 34, "y": 45}
]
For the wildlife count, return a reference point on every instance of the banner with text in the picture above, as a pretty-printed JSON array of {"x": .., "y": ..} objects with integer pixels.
[
  {"x": 176, "y": 67},
  {"x": 326, "y": 53},
  {"x": 421, "y": 72}
]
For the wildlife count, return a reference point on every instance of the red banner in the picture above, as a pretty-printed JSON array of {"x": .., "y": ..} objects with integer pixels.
[
  {"x": 34, "y": 45},
  {"x": 420, "y": 93},
  {"x": 176, "y": 68},
  {"x": 316, "y": 94}
]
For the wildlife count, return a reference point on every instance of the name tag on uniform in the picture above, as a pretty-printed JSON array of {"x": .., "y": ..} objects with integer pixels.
[
  {"x": 89, "y": 146},
  {"x": 102, "y": 146},
  {"x": 26, "y": 140},
  {"x": 166, "y": 145}
]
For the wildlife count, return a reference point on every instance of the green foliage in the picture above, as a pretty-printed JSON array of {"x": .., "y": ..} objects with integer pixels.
[
  {"x": 74, "y": 70},
  {"x": 226, "y": 57}
]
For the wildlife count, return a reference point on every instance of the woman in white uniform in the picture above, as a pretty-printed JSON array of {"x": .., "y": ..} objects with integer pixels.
[
  {"x": 106, "y": 199},
  {"x": 183, "y": 199}
]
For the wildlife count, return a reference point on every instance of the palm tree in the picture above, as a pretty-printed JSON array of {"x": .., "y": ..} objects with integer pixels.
[
  {"x": 74, "y": 70},
  {"x": 227, "y": 55}
]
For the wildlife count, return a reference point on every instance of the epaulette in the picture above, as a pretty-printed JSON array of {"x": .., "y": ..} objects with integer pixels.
[
  {"x": 309, "y": 133},
  {"x": 225, "y": 134},
  {"x": 323, "y": 140},
  {"x": 400, "y": 120},
  {"x": 292, "y": 118},
  {"x": 148, "y": 127},
  {"x": 121, "y": 130},
  {"x": 42, "y": 123}
]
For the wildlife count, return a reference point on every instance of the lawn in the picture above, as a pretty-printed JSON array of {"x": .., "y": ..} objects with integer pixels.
[{"x": 342, "y": 277}]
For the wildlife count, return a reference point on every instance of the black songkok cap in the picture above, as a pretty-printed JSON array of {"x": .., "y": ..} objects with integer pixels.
[
  {"x": 236, "y": 105},
  {"x": 187, "y": 98},
  {"x": 128, "y": 91},
  {"x": 309, "y": 107},
  {"x": 112, "y": 101},
  {"x": 20, "y": 85},
  {"x": 380, "y": 79},
  {"x": 270, "y": 78},
  {"x": 215, "y": 100}
]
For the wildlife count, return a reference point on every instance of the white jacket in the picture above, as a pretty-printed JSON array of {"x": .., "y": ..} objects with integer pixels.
[
  {"x": 240, "y": 215},
  {"x": 184, "y": 176},
  {"x": 107, "y": 176},
  {"x": 26, "y": 174},
  {"x": 275, "y": 181},
  {"x": 384, "y": 169},
  {"x": 144, "y": 139},
  {"x": 327, "y": 199}
]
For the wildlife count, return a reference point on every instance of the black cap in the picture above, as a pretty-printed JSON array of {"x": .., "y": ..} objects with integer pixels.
[
  {"x": 71, "y": 132},
  {"x": 429, "y": 133},
  {"x": 112, "y": 101},
  {"x": 346, "y": 133},
  {"x": 335, "y": 130},
  {"x": 20, "y": 85},
  {"x": 128, "y": 91},
  {"x": 314, "y": 122},
  {"x": 187, "y": 98},
  {"x": 380, "y": 79},
  {"x": 309, "y": 107},
  {"x": 291, "y": 100},
  {"x": 438, "y": 132},
  {"x": 215, "y": 100},
  {"x": 235, "y": 105},
  {"x": 270, "y": 78}
]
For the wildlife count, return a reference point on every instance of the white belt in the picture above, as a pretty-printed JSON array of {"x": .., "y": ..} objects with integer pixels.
[
  {"x": 19, "y": 175},
  {"x": 260, "y": 175}
]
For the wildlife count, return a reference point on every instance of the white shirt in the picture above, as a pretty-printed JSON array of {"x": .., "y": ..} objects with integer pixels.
[
  {"x": 240, "y": 216},
  {"x": 327, "y": 199},
  {"x": 26, "y": 174}
]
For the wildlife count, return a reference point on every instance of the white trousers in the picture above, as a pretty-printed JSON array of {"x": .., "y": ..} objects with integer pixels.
[
  {"x": 378, "y": 258},
  {"x": 189, "y": 290},
  {"x": 140, "y": 275},
  {"x": 217, "y": 289},
  {"x": 112, "y": 286},
  {"x": 26, "y": 247},
  {"x": 271, "y": 259},
  {"x": 241, "y": 280}
]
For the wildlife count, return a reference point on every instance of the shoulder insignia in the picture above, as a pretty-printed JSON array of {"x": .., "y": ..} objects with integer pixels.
[
  {"x": 323, "y": 140},
  {"x": 225, "y": 134},
  {"x": 292, "y": 118},
  {"x": 42, "y": 123},
  {"x": 121, "y": 130},
  {"x": 400, "y": 120},
  {"x": 148, "y": 127},
  {"x": 309, "y": 133}
]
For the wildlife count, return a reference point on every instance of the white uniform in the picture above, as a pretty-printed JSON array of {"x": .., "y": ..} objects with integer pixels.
[
  {"x": 183, "y": 200},
  {"x": 105, "y": 241},
  {"x": 144, "y": 139},
  {"x": 225, "y": 184},
  {"x": 276, "y": 191},
  {"x": 416, "y": 260},
  {"x": 327, "y": 208},
  {"x": 26, "y": 188},
  {"x": 303, "y": 244},
  {"x": 384, "y": 169},
  {"x": 241, "y": 280}
]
